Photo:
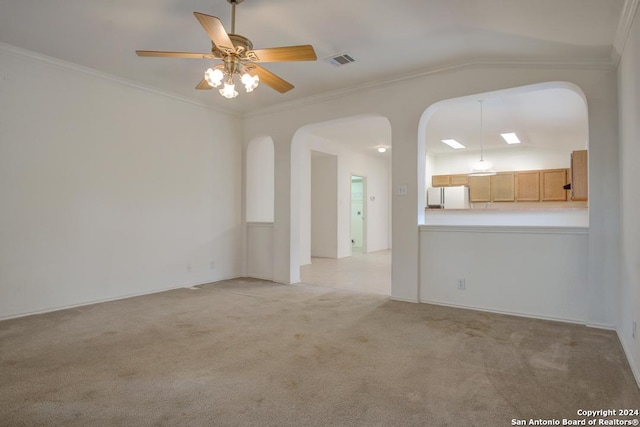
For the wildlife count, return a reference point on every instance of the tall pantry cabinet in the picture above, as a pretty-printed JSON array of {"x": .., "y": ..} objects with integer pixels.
[{"x": 579, "y": 175}]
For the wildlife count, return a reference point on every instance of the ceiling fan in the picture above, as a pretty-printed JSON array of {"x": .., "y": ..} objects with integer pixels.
[{"x": 238, "y": 57}]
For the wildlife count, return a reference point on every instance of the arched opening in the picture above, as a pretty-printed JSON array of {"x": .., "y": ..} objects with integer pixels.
[
  {"x": 325, "y": 158},
  {"x": 519, "y": 250},
  {"x": 537, "y": 174},
  {"x": 260, "y": 180}
]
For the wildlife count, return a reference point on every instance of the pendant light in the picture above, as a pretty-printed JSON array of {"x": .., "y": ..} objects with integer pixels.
[{"x": 481, "y": 167}]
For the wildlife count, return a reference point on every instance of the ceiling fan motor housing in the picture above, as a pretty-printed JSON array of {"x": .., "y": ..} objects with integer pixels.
[{"x": 241, "y": 43}]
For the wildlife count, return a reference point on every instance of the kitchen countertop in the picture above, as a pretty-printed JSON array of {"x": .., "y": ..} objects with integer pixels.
[{"x": 507, "y": 216}]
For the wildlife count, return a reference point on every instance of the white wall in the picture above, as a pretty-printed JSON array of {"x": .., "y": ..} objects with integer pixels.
[
  {"x": 260, "y": 250},
  {"x": 508, "y": 159},
  {"x": 376, "y": 171},
  {"x": 532, "y": 271},
  {"x": 109, "y": 190},
  {"x": 403, "y": 103},
  {"x": 260, "y": 178},
  {"x": 324, "y": 205},
  {"x": 629, "y": 110}
]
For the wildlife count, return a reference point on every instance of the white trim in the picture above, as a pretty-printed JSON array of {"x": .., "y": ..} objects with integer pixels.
[
  {"x": 338, "y": 93},
  {"x": 259, "y": 224},
  {"x": 624, "y": 27},
  {"x": 99, "y": 301},
  {"x": 628, "y": 354},
  {"x": 470, "y": 63},
  {"x": 502, "y": 229},
  {"x": 413, "y": 301},
  {"x": 266, "y": 279},
  {"x": 55, "y": 62},
  {"x": 517, "y": 314}
]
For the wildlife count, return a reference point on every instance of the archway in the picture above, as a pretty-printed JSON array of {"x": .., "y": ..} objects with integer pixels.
[
  {"x": 355, "y": 142},
  {"x": 551, "y": 119}
]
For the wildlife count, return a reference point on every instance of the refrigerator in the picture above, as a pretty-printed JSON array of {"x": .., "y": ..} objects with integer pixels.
[{"x": 448, "y": 197}]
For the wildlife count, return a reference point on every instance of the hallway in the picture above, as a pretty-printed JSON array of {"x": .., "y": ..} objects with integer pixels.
[{"x": 369, "y": 272}]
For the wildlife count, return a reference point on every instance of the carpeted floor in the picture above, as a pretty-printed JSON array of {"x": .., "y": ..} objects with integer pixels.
[{"x": 254, "y": 353}]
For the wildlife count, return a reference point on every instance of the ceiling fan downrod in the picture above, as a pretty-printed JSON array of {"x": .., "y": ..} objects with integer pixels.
[{"x": 233, "y": 14}]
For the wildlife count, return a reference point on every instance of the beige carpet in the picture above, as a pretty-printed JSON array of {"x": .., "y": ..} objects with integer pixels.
[{"x": 253, "y": 353}]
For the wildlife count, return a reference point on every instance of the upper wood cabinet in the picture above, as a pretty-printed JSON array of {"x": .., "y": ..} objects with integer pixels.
[
  {"x": 479, "y": 189},
  {"x": 503, "y": 187},
  {"x": 459, "y": 179},
  {"x": 449, "y": 180},
  {"x": 579, "y": 175},
  {"x": 440, "y": 181},
  {"x": 552, "y": 182},
  {"x": 524, "y": 186},
  {"x": 527, "y": 185}
]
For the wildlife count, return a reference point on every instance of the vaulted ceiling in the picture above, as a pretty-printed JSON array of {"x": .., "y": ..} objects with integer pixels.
[{"x": 388, "y": 39}]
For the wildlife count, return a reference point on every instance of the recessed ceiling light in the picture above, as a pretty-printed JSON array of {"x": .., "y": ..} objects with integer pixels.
[
  {"x": 511, "y": 138},
  {"x": 382, "y": 149},
  {"x": 453, "y": 144}
]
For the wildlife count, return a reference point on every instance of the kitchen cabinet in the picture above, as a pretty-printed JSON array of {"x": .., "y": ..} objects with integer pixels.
[
  {"x": 459, "y": 179},
  {"x": 552, "y": 182},
  {"x": 440, "y": 181},
  {"x": 579, "y": 175},
  {"x": 527, "y": 185},
  {"x": 503, "y": 187},
  {"x": 449, "y": 180},
  {"x": 479, "y": 189},
  {"x": 524, "y": 186}
]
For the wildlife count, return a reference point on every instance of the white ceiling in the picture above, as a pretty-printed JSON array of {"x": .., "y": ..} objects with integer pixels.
[
  {"x": 551, "y": 117},
  {"x": 387, "y": 38}
]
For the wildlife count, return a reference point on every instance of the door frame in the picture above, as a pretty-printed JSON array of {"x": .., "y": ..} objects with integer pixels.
[{"x": 364, "y": 210}]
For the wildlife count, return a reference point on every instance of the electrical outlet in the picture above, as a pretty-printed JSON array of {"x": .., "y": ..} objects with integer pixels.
[
  {"x": 634, "y": 330},
  {"x": 212, "y": 265},
  {"x": 189, "y": 267},
  {"x": 462, "y": 284}
]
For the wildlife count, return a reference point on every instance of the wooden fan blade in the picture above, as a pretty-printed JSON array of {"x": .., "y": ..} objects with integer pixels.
[
  {"x": 270, "y": 79},
  {"x": 190, "y": 55},
  {"x": 281, "y": 54},
  {"x": 203, "y": 85},
  {"x": 213, "y": 26}
]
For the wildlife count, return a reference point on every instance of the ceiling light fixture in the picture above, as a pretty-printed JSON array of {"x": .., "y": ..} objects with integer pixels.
[
  {"x": 510, "y": 138},
  {"x": 453, "y": 144},
  {"x": 482, "y": 167},
  {"x": 382, "y": 149},
  {"x": 225, "y": 73}
]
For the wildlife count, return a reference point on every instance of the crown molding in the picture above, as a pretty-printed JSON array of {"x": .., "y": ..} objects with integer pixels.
[
  {"x": 630, "y": 8},
  {"x": 552, "y": 64},
  {"x": 66, "y": 65},
  {"x": 624, "y": 27}
]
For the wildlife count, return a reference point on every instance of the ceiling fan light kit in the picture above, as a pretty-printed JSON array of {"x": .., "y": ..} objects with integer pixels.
[{"x": 239, "y": 58}]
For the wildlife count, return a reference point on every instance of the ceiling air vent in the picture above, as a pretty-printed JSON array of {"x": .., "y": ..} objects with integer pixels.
[{"x": 340, "y": 60}]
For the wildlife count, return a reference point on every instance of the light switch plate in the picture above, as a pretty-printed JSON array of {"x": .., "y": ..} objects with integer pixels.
[{"x": 403, "y": 190}]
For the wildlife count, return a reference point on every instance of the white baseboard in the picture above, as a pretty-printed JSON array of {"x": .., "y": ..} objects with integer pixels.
[
  {"x": 98, "y": 301},
  {"x": 634, "y": 369},
  {"x": 414, "y": 301},
  {"x": 527, "y": 315}
]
